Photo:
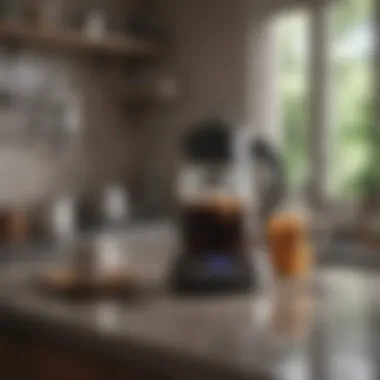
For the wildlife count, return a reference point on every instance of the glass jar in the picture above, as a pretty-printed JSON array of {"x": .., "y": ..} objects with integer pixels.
[{"x": 290, "y": 250}]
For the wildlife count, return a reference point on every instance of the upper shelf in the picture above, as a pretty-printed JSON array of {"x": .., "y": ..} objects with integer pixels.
[{"x": 76, "y": 42}]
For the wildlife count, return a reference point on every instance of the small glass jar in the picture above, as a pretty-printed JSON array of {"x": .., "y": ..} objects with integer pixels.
[
  {"x": 96, "y": 24},
  {"x": 290, "y": 250}
]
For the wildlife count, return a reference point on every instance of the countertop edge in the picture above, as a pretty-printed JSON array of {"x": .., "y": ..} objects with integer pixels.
[{"x": 69, "y": 333}]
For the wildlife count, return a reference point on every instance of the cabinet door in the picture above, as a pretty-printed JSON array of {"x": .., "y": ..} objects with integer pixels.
[
  {"x": 3, "y": 354},
  {"x": 51, "y": 363},
  {"x": 14, "y": 358},
  {"x": 24, "y": 359}
]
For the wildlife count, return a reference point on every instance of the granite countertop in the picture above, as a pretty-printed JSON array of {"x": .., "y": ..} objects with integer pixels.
[{"x": 324, "y": 329}]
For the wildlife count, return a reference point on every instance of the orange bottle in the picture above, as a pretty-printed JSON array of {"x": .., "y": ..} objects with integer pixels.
[{"x": 289, "y": 248}]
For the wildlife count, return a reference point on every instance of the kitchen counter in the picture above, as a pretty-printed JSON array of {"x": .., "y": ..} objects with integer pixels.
[{"x": 327, "y": 328}]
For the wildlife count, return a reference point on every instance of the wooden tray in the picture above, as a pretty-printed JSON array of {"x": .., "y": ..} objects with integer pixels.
[{"x": 66, "y": 282}]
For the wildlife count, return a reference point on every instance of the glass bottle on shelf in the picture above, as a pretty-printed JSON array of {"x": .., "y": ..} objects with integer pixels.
[{"x": 96, "y": 24}]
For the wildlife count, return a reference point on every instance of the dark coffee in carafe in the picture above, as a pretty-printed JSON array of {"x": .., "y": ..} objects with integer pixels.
[{"x": 213, "y": 226}]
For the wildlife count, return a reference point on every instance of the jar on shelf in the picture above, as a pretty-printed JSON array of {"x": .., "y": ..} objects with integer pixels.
[{"x": 96, "y": 24}]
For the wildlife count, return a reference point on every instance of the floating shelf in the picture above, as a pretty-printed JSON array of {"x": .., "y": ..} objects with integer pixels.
[{"x": 75, "y": 41}]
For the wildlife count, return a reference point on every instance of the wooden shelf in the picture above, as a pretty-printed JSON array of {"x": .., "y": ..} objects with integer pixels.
[{"x": 76, "y": 42}]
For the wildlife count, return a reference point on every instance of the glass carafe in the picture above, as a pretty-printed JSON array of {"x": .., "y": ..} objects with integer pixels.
[
  {"x": 214, "y": 209},
  {"x": 215, "y": 193}
]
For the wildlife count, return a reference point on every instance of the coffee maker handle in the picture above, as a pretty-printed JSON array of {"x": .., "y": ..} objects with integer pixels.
[{"x": 264, "y": 153}]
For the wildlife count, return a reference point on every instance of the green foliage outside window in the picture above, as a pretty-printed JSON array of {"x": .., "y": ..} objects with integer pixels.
[{"x": 353, "y": 151}]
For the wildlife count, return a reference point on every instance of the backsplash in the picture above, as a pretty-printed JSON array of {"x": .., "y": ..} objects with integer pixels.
[
  {"x": 38, "y": 105},
  {"x": 40, "y": 114}
]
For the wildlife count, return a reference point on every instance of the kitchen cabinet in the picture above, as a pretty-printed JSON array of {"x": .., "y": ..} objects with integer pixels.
[{"x": 24, "y": 358}]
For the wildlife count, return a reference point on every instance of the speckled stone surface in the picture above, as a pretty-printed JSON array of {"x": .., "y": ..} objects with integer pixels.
[{"x": 327, "y": 328}]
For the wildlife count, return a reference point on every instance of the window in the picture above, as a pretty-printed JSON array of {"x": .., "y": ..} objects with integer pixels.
[
  {"x": 324, "y": 130},
  {"x": 292, "y": 41},
  {"x": 352, "y": 44}
]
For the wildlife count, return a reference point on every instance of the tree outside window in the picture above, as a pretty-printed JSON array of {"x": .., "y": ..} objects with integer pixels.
[{"x": 351, "y": 46}]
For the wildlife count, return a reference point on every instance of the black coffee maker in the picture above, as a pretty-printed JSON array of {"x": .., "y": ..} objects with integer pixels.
[{"x": 221, "y": 213}]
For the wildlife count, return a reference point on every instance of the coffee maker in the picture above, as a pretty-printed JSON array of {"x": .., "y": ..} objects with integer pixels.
[{"x": 221, "y": 210}]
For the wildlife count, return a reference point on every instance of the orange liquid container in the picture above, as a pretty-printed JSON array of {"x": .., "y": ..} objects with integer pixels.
[{"x": 290, "y": 251}]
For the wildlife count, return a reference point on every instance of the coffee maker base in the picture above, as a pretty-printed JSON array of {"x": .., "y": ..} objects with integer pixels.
[{"x": 216, "y": 275}]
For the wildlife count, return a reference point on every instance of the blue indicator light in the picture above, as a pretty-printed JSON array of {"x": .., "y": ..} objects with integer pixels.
[{"x": 219, "y": 264}]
